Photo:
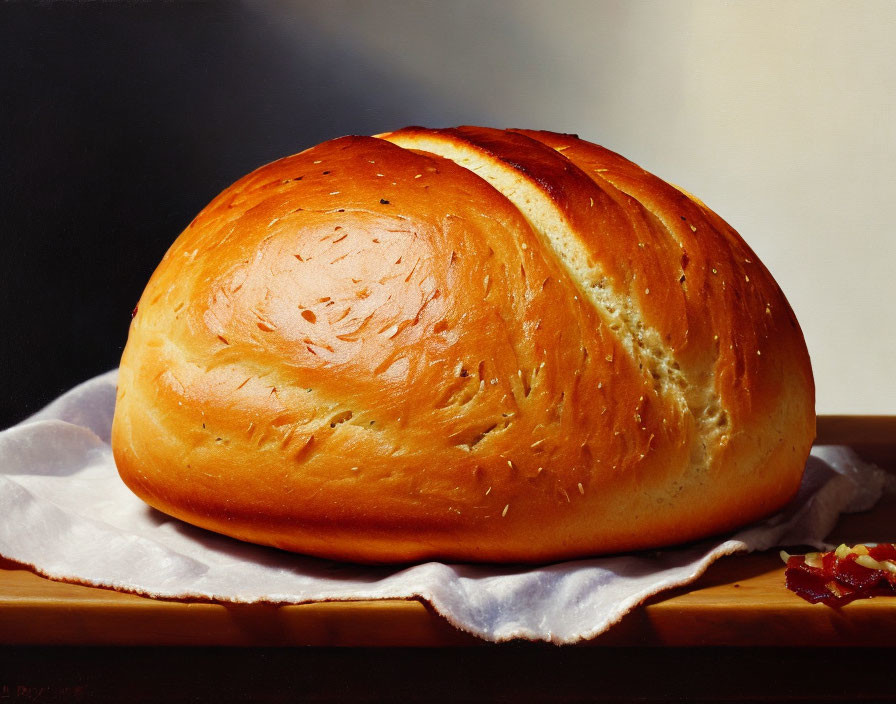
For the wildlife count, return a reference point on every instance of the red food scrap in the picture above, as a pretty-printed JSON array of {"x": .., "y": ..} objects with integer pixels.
[{"x": 843, "y": 575}]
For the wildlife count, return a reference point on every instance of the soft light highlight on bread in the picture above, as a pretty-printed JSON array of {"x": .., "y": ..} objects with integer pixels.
[{"x": 466, "y": 344}]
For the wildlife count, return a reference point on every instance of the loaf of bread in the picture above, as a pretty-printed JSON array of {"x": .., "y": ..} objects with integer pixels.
[{"x": 467, "y": 344}]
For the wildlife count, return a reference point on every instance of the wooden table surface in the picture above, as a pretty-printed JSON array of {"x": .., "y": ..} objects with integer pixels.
[
  {"x": 741, "y": 600},
  {"x": 740, "y": 603}
]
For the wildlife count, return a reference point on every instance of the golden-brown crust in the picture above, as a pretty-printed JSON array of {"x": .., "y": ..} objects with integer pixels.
[{"x": 369, "y": 352}]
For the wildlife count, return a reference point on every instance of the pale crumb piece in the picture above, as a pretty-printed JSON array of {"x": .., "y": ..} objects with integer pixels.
[
  {"x": 581, "y": 489},
  {"x": 609, "y": 358},
  {"x": 418, "y": 175},
  {"x": 380, "y": 175},
  {"x": 525, "y": 246},
  {"x": 566, "y": 495},
  {"x": 641, "y": 245},
  {"x": 747, "y": 261},
  {"x": 317, "y": 161},
  {"x": 334, "y": 193},
  {"x": 715, "y": 338},
  {"x": 758, "y": 352},
  {"x": 592, "y": 202},
  {"x": 510, "y": 464},
  {"x": 746, "y": 278},
  {"x": 714, "y": 271},
  {"x": 768, "y": 310},
  {"x": 647, "y": 291},
  {"x": 603, "y": 411},
  {"x": 693, "y": 228},
  {"x": 541, "y": 366},
  {"x": 600, "y": 384},
  {"x": 504, "y": 512},
  {"x": 536, "y": 443},
  {"x": 354, "y": 469},
  {"x": 493, "y": 382},
  {"x": 540, "y": 470},
  {"x": 488, "y": 491}
]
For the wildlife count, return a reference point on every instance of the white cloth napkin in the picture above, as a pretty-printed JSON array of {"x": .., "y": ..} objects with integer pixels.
[{"x": 64, "y": 511}]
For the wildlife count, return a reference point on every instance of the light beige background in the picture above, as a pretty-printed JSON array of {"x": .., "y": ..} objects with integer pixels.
[{"x": 780, "y": 115}]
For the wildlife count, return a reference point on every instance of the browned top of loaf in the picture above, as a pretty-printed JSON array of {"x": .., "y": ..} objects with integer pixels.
[{"x": 527, "y": 351}]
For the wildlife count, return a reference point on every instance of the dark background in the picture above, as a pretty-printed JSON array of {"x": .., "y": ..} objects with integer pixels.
[{"x": 119, "y": 123}]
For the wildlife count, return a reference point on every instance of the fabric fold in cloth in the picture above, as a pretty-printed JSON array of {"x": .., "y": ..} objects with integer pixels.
[{"x": 66, "y": 513}]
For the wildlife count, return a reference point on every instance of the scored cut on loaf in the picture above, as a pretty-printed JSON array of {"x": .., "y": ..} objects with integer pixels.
[{"x": 467, "y": 344}]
